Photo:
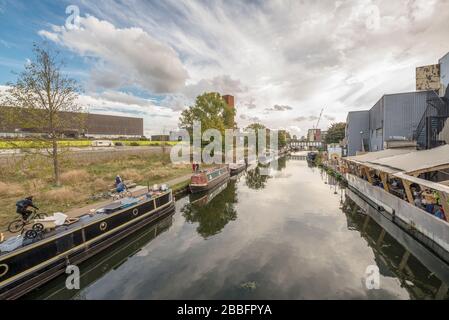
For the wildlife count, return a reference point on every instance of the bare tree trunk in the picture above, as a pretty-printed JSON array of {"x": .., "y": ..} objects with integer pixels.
[{"x": 55, "y": 162}]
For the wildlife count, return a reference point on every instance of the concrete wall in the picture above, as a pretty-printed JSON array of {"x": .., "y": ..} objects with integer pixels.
[
  {"x": 356, "y": 122},
  {"x": 428, "y": 78},
  {"x": 444, "y": 73}
]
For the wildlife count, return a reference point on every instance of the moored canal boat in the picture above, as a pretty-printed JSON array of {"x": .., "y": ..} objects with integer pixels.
[
  {"x": 236, "y": 168},
  {"x": 33, "y": 264},
  {"x": 208, "y": 179}
]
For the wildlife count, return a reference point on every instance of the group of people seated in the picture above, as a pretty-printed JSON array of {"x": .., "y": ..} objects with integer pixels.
[
  {"x": 425, "y": 199},
  {"x": 428, "y": 201}
]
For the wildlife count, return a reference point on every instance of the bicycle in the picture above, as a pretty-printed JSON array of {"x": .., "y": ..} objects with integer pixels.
[
  {"x": 18, "y": 224},
  {"x": 124, "y": 194}
]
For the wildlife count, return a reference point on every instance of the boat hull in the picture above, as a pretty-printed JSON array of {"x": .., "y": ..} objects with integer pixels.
[
  {"x": 236, "y": 171},
  {"x": 211, "y": 184},
  {"x": 76, "y": 247}
]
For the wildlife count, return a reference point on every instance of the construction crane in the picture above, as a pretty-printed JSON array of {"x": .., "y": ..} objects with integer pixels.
[{"x": 319, "y": 118}]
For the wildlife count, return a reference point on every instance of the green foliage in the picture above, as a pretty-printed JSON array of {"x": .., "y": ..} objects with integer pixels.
[
  {"x": 335, "y": 133},
  {"x": 211, "y": 111}
]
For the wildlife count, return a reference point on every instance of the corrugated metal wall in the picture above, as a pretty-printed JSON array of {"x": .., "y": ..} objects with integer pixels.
[
  {"x": 376, "y": 120},
  {"x": 444, "y": 71},
  {"x": 402, "y": 114},
  {"x": 356, "y": 122}
]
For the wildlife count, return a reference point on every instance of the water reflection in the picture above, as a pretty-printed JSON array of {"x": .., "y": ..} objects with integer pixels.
[
  {"x": 255, "y": 180},
  {"x": 295, "y": 239},
  {"x": 212, "y": 216},
  {"x": 111, "y": 259},
  {"x": 394, "y": 259}
]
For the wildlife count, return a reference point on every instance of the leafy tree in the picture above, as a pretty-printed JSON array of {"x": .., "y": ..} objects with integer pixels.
[
  {"x": 211, "y": 111},
  {"x": 40, "y": 100},
  {"x": 283, "y": 137},
  {"x": 256, "y": 127},
  {"x": 335, "y": 133}
]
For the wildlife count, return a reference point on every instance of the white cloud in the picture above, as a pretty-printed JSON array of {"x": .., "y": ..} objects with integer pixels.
[
  {"x": 129, "y": 54},
  {"x": 306, "y": 54}
]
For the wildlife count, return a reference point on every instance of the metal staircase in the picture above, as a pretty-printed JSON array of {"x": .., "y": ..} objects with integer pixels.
[{"x": 431, "y": 125}]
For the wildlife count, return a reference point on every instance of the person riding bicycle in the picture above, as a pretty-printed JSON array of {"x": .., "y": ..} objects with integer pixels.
[{"x": 23, "y": 205}]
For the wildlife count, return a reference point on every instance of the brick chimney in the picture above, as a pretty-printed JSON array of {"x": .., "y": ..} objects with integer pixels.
[{"x": 229, "y": 100}]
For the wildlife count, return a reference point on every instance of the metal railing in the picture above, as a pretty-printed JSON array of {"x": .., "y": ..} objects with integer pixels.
[{"x": 432, "y": 123}]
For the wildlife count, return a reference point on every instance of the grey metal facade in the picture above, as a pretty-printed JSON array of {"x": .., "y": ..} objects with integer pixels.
[
  {"x": 100, "y": 124},
  {"x": 90, "y": 125},
  {"x": 402, "y": 113},
  {"x": 394, "y": 116},
  {"x": 356, "y": 122}
]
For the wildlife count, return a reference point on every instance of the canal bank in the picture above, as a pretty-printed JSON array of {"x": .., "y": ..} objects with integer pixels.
[{"x": 283, "y": 236}]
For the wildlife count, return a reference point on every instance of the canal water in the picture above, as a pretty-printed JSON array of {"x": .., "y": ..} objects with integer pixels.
[{"x": 295, "y": 234}]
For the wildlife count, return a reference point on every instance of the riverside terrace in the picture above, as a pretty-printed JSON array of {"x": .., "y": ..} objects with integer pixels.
[{"x": 412, "y": 186}]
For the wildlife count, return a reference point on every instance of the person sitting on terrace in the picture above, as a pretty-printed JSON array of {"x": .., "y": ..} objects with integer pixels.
[
  {"x": 429, "y": 201},
  {"x": 439, "y": 213}
]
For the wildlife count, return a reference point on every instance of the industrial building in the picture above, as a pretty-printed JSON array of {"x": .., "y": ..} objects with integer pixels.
[
  {"x": 357, "y": 132},
  {"x": 419, "y": 117},
  {"x": 395, "y": 117},
  {"x": 92, "y": 126}
]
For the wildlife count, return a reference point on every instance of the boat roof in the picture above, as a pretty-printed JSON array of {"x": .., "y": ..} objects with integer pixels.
[{"x": 407, "y": 161}]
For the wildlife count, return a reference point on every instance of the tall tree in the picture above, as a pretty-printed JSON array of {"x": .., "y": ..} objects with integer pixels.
[
  {"x": 335, "y": 133},
  {"x": 211, "y": 110},
  {"x": 256, "y": 126},
  {"x": 42, "y": 100}
]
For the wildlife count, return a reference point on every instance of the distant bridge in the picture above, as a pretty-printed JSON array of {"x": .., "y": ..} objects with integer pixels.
[{"x": 305, "y": 145}]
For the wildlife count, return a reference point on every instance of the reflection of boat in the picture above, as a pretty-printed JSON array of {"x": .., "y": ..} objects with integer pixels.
[
  {"x": 204, "y": 198},
  {"x": 236, "y": 168},
  {"x": 311, "y": 156},
  {"x": 33, "y": 265},
  {"x": 97, "y": 267},
  {"x": 211, "y": 216},
  {"x": 208, "y": 179},
  {"x": 268, "y": 157}
]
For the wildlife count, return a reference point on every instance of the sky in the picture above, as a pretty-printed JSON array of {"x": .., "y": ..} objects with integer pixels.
[{"x": 284, "y": 61}]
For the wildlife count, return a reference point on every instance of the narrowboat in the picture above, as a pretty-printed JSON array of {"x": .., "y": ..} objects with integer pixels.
[
  {"x": 96, "y": 267},
  {"x": 208, "y": 179},
  {"x": 204, "y": 198},
  {"x": 236, "y": 168},
  {"x": 44, "y": 258},
  {"x": 311, "y": 157}
]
